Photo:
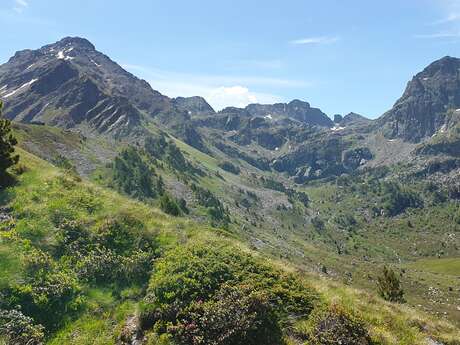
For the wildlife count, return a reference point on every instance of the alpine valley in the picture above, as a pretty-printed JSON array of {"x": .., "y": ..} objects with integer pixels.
[{"x": 136, "y": 218}]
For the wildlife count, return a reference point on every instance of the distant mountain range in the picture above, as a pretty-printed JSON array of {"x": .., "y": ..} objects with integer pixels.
[{"x": 70, "y": 84}]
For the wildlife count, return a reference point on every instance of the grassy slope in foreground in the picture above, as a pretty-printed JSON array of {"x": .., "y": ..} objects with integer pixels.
[{"x": 44, "y": 195}]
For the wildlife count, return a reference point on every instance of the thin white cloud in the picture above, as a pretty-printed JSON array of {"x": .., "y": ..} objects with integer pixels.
[
  {"x": 450, "y": 23},
  {"x": 236, "y": 96},
  {"x": 451, "y": 8},
  {"x": 219, "y": 90},
  {"x": 440, "y": 35},
  {"x": 451, "y": 17},
  {"x": 153, "y": 73},
  {"x": 316, "y": 40},
  {"x": 20, "y": 5}
]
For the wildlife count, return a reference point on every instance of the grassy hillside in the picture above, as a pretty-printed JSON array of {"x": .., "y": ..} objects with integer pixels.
[
  {"x": 78, "y": 258},
  {"x": 345, "y": 229}
]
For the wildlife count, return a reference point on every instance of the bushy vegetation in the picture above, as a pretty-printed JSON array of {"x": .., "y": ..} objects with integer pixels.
[
  {"x": 217, "y": 295},
  {"x": 19, "y": 329},
  {"x": 49, "y": 291},
  {"x": 133, "y": 176},
  {"x": 230, "y": 167},
  {"x": 7, "y": 143},
  {"x": 397, "y": 199},
  {"x": 169, "y": 205},
  {"x": 119, "y": 250},
  {"x": 66, "y": 242},
  {"x": 333, "y": 325},
  {"x": 214, "y": 207},
  {"x": 389, "y": 286},
  {"x": 237, "y": 315},
  {"x": 77, "y": 259}
]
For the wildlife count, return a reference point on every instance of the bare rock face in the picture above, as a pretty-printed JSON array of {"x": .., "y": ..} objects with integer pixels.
[
  {"x": 422, "y": 109},
  {"x": 297, "y": 110},
  {"x": 70, "y": 83},
  {"x": 338, "y": 118},
  {"x": 193, "y": 105}
]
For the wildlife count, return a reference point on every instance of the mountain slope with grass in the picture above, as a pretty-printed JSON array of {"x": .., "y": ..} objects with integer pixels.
[{"x": 82, "y": 264}]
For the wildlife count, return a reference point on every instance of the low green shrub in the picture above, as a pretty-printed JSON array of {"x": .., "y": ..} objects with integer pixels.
[
  {"x": 48, "y": 292},
  {"x": 194, "y": 282},
  {"x": 333, "y": 325},
  {"x": 19, "y": 329},
  {"x": 236, "y": 315}
]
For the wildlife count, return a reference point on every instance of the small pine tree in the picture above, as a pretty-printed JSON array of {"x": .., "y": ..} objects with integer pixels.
[
  {"x": 169, "y": 205},
  {"x": 389, "y": 286},
  {"x": 7, "y": 143}
]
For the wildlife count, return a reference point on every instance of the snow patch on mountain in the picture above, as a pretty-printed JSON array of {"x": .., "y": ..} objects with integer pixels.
[
  {"x": 20, "y": 88},
  {"x": 337, "y": 128}
]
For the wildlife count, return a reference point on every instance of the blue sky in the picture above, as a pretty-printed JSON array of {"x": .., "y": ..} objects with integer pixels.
[{"x": 341, "y": 56}]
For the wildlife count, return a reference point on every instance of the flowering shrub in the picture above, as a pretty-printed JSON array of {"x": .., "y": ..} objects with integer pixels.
[
  {"x": 199, "y": 292},
  {"x": 48, "y": 292},
  {"x": 20, "y": 329},
  {"x": 334, "y": 325},
  {"x": 236, "y": 315}
]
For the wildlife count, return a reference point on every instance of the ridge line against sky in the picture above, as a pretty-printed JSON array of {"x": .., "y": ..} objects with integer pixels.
[{"x": 339, "y": 57}]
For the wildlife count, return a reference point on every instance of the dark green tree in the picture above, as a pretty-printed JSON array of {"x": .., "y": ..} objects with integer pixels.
[
  {"x": 169, "y": 205},
  {"x": 389, "y": 286},
  {"x": 7, "y": 143},
  {"x": 132, "y": 175}
]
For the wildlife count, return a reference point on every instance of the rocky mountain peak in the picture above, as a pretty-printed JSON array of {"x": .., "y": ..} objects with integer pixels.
[
  {"x": 445, "y": 65},
  {"x": 296, "y": 109},
  {"x": 193, "y": 105},
  {"x": 422, "y": 109},
  {"x": 354, "y": 118},
  {"x": 71, "y": 42},
  {"x": 299, "y": 104},
  {"x": 69, "y": 82}
]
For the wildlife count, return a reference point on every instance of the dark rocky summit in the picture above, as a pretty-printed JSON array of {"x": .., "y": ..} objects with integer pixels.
[
  {"x": 422, "y": 109},
  {"x": 354, "y": 119},
  {"x": 338, "y": 118},
  {"x": 193, "y": 105},
  {"x": 69, "y": 83},
  {"x": 297, "y": 110}
]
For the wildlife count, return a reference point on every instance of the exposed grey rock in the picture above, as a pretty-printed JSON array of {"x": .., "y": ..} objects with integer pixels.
[
  {"x": 193, "y": 105},
  {"x": 354, "y": 119},
  {"x": 422, "y": 109},
  {"x": 338, "y": 118},
  {"x": 296, "y": 109},
  {"x": 69, "y": 83}
]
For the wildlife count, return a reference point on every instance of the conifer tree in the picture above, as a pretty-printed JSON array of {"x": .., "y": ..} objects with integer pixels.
[
  {"x": 389, "y": 286},
  {"x": 7, "y": 143}
]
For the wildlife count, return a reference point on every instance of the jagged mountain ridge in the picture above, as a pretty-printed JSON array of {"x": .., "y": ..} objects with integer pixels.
[
  {"x": 70, "y": 84},
  {"x": 296, "y": 109},
  {"x": 193, "y": 105}
]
